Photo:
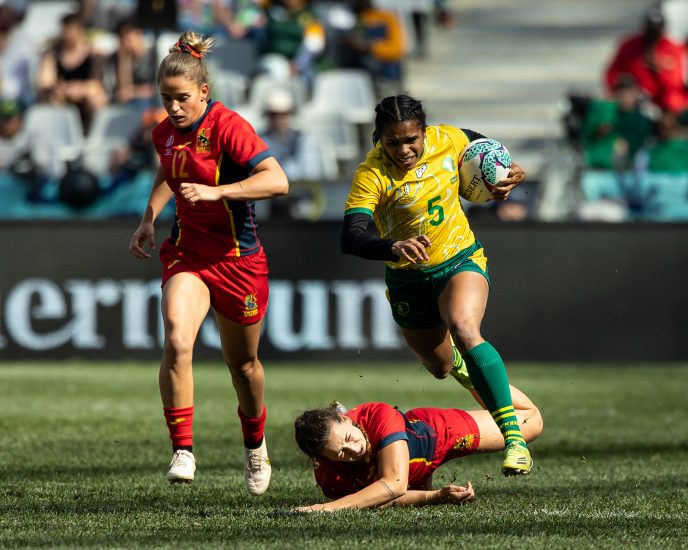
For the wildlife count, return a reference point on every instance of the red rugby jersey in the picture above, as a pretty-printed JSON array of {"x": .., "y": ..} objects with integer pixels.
[
  {"x": 219, "y": 148},
  {"x": 384, "y": 425}
]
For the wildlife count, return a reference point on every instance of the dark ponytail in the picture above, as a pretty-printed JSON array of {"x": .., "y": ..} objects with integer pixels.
[{"x": 312, "y": 429}]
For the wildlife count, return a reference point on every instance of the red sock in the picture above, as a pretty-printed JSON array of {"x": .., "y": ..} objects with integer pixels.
[
  {"x": 180, "y": 425},
  {"x": 253, "y": 428}
]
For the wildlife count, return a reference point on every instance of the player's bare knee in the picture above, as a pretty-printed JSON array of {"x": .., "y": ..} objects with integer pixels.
[
  {"x": 246, "y": 369},
  {"x": 438, "y": 370},
  {"x": 532, "y": 424},
  {"x": 465, "y": 336},
  {"x": 177, "y": 347}
]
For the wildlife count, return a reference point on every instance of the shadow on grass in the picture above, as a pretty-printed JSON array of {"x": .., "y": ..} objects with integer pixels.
[
  {"x": 608, "y": 450},
  {"x": 380, "y": 529}
]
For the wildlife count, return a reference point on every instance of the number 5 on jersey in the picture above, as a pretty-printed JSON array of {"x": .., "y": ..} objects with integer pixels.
[{"x": 436, "y": 211}]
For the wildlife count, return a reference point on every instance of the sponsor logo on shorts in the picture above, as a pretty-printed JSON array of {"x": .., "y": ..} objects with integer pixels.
[
  {"x": 203, "y": 141},
  {"x": 250, "y": 305},
  {"x": 465, "y": 442},
  {"x": 401, "y": 308}
]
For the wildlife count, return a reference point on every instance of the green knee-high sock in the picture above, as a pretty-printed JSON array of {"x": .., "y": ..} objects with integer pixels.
[{"x": 488, "y": 374}]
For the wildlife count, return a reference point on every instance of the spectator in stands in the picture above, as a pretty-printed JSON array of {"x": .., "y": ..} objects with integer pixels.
[
  {"x": 72, "y": 72},
  {"x": 293, "y": 31},
  {"x": 419, "y": 20},
  {"x": 655, "y": 62},
  {"x": 615, "y": 130},
  {"x": 246, "y": 19},
  {"x": 14, "y": 142},
  {"x": 18, "y": 58},
  {"x": 202, "y": 16},
  {"x": 237, "y": 19},
  {"x": 135, "y": 64},
  {"x": 100, "y": 14},
  {"x": 378, "y": 45},
  {"x": 669, "y": 153},
  {"x": 297, "y": 152}
]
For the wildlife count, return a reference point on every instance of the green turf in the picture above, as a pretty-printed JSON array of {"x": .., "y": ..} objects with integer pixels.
[{"x": 84, "y": 451}]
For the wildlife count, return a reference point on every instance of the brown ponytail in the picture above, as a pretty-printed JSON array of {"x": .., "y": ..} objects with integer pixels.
[{"x": 187, "y": 58}]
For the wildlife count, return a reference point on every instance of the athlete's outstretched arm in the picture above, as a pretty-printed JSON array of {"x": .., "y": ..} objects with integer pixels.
[
  {"x": 393, "y": 466},
  {"x": 267, "y": 180},
  {"x": 145, "y": 233},
  {"x": 450, "y": 494}
]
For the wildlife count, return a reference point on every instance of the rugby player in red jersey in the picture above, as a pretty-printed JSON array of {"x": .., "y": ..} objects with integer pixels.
[
  {"x": 376, "y": 456},
  {"x": 214, "y": 164}
]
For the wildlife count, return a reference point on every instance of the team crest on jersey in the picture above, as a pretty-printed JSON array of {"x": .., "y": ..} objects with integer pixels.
[
  {"x": 168, "y": 145},
  {"x": 448, "y": 164},
  {"x": 421, "y": 170},
  {"x": 250, "y": 305},
  {"x": 406, "y": 194},
  {"x": 465, "y": 442},
  {"x": 401, "y": 308},
  {"x": 203, "y": 141}
]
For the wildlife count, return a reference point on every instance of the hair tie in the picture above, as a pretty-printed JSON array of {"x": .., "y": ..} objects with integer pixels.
[{"x": 184, "y": 47}]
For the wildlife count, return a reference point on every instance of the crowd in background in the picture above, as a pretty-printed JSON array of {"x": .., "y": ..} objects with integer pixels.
[
  {"x": 269, "y": 54},
  {"x": 634, "y": 140},
  {"x": 105, "y": 53}
]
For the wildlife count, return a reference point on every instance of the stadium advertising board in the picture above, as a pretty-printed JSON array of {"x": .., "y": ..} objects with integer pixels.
[{"x": 559, "y": 292}]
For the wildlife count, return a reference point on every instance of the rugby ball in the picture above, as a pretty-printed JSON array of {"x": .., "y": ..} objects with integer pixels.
[{"x": 482, "y": 164}]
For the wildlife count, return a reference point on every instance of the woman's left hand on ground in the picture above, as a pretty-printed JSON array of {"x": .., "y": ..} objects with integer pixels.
[
  {"x": 456, "y": 494},
  {"x": 514, "y": 178},
  {"x": 311, "y": 508}
]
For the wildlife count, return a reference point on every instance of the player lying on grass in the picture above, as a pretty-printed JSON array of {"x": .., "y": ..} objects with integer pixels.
[{"x": 376, "y": 456}]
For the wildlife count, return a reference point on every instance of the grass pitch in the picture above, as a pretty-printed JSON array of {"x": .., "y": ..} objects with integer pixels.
[{"x": 84, "y": 451}]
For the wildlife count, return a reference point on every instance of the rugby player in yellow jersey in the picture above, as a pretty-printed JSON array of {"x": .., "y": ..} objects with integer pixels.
[{"x": 436, "y": 271}]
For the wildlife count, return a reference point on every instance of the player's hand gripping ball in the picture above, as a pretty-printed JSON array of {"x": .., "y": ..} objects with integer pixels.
[{"x": 482, "y": 164}]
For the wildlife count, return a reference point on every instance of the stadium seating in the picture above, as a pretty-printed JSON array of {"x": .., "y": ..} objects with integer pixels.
[
  {"x": 228, "y": 88},
  {"x": 57, "y": 136},
  {"x": 112, "y": 127},
  {"x": 346, "y": 91},
  {"x": 333, "y": 128},
  {"x": 263, "y": 84}
]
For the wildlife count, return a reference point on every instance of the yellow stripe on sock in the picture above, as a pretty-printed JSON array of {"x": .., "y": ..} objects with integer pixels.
[
  {"x": 502, "y": 410},
  {"x": 505, "y": 415}
]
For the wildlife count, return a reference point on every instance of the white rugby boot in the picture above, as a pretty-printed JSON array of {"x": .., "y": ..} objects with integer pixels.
[
  {"x": 257, "y": 469},
  {"x": 182, "y": 467}
]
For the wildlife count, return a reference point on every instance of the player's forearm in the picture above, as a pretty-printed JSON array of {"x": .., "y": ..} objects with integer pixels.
[
  {"x": 416, "y": 498},
  {"x": 376, "y": 494},
  {"x": 262, "y": 185},
  {"x": 356, "y": 239},
  {"x": 159, "y": 197}
]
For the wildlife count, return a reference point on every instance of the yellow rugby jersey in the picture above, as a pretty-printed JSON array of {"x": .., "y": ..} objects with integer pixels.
[{"x": 424, "y": 201}]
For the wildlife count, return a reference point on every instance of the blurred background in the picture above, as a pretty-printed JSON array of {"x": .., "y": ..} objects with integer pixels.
[{"x": 588, "y": 257}]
